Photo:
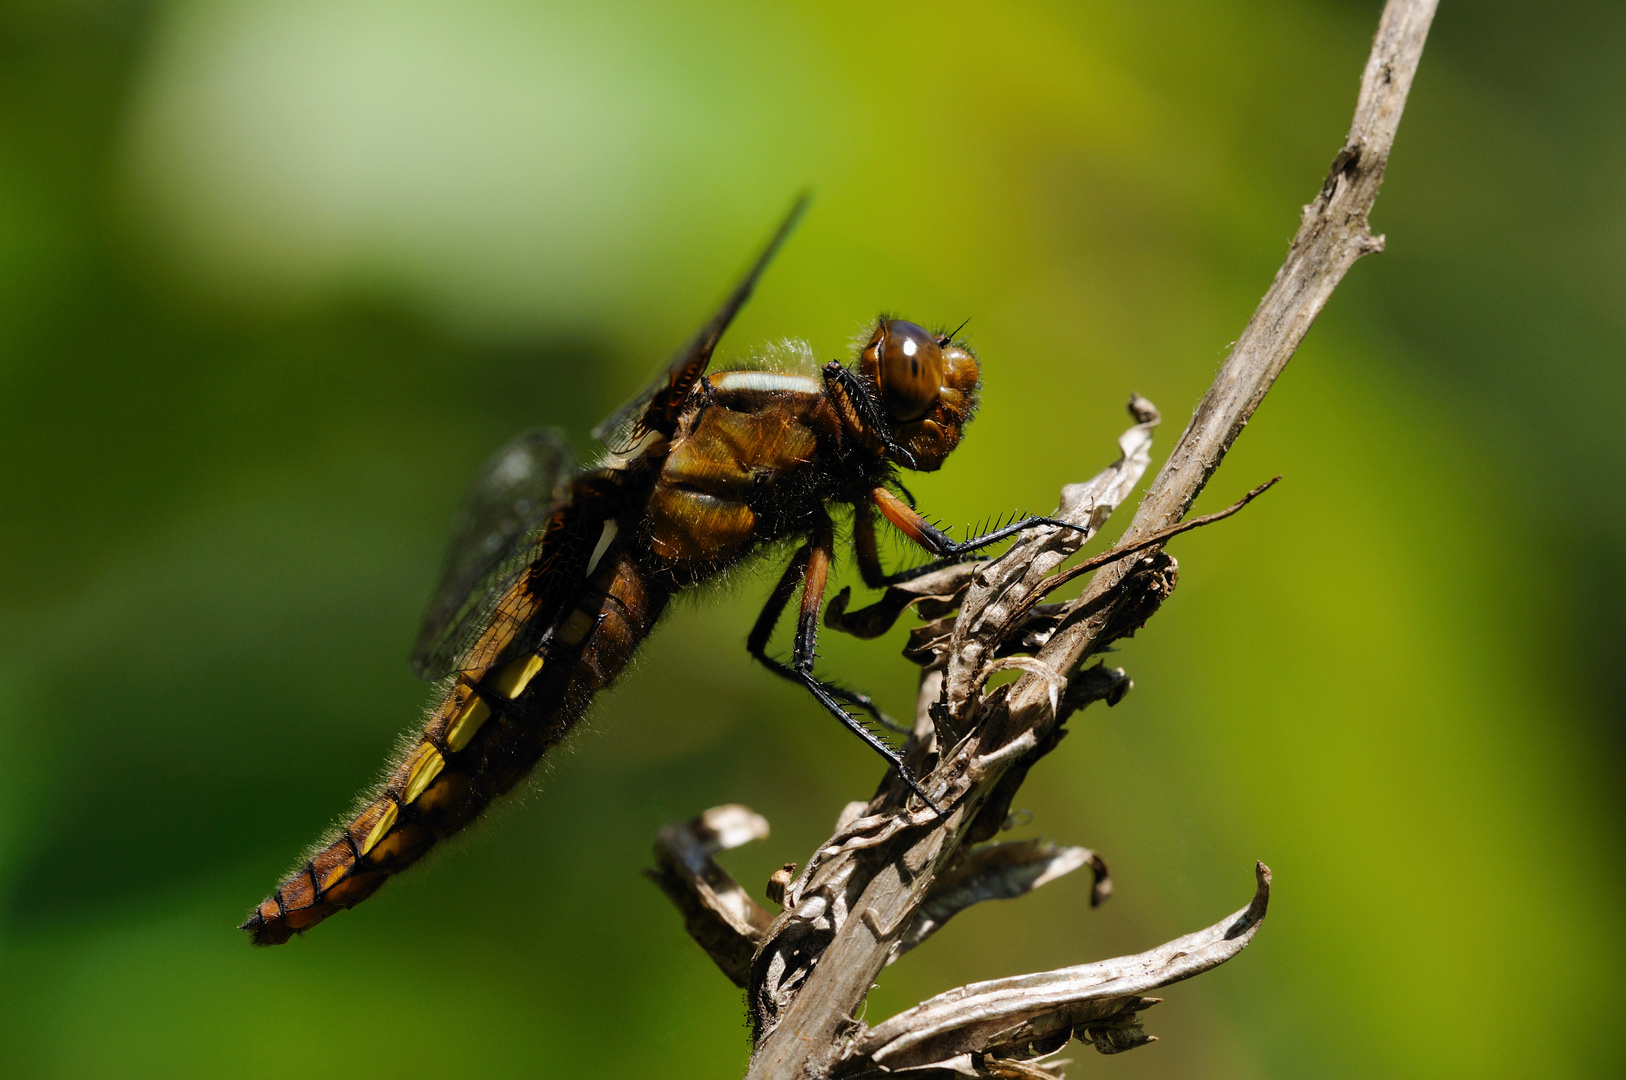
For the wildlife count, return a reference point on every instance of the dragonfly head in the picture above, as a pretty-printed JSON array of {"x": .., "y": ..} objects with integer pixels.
[{"x": 927, "y": 383}]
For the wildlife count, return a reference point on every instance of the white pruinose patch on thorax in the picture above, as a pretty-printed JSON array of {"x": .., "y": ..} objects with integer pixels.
[{"x": 767, "y": 380}]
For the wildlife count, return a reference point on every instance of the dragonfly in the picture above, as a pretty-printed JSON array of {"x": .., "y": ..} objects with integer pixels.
[{"x": 555, "y": 574}]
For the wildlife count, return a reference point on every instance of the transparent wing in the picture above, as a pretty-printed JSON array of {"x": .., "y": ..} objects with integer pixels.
[
  {"x": 494, "y": 537},
  {"x": 656, "y": 406}
]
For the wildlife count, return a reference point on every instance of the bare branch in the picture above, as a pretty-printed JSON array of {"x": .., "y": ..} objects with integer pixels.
[
  {"x": 895, "y": 867},
  {"x": 1122, "y": 551},
  {"x": 1333, "y": 234}
]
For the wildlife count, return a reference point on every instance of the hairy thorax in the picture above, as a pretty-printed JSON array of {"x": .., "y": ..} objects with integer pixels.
[{"x": 739, "y": 471}]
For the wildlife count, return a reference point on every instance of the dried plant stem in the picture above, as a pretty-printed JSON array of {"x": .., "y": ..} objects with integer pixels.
[
  {"x": 1131, "y": 547},
  {"x": 894, "y": 870},
  {"x": 1333, "y": 234}
]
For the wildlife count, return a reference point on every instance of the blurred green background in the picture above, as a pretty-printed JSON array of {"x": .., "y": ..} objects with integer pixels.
[{"x": 276, "y": 275}]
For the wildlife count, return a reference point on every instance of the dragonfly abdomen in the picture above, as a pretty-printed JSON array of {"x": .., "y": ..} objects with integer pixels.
[{"x": 483, "y": 737}]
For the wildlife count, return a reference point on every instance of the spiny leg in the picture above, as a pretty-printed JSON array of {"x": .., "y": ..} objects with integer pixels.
[
  {"x": 858, "y": 700},
  {"x": 924, "y": 533},
  {"x": 811, "y": 565}
]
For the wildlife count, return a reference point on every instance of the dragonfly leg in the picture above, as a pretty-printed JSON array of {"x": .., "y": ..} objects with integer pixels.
[
  {"x": 810, "y": 567},
  {"x": 928, "y": 536},
  {"x": 864, "y": 546},
  {"x": 869, "y": 557},
  {"x": 757, "y": 643},
  {"x": 859, "y": 699}
]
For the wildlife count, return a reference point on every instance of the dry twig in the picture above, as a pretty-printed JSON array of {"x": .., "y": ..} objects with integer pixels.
[{"x": 894, "y": 870}]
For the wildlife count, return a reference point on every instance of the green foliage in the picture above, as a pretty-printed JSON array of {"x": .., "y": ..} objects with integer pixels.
[{"x": 276, "y": 277}]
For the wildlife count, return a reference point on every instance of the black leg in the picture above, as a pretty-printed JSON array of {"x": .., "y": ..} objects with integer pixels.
[
  {"x": 757, "y": 643},
  {"x": 954, "y": 549},
  {"x": 811, "y": 565},
  {"x": 864, "y": 546}
]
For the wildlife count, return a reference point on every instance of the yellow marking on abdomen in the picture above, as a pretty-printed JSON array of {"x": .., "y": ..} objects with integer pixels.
[
  {"x": 577, "y": 627},
  {"x": 466, "y": 724},
  {"x": 424, "y": 765},
  {"x": 512, "y": 680},
  {"x": 382, "y": 828}
]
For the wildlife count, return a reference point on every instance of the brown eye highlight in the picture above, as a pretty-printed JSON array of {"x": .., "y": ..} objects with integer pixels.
[{"x": 910, "y": 363}]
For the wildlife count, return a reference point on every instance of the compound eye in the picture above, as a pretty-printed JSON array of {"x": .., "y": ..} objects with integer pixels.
[{"x": 911, "y": 369}]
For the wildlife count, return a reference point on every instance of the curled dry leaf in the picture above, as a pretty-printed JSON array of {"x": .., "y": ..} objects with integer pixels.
[
  {"x": 717, "y": 912},
  {"x": 1086, "y": 505},
  {"x": 1004, "y": 586},
  {"x": 999, "y": 872},
  {"x": 1028, "y": 1016}
]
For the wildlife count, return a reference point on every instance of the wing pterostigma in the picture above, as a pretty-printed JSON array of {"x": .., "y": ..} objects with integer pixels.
[
  {"x": 655, "y": 408},
  {"x": 494, "y": 539}
]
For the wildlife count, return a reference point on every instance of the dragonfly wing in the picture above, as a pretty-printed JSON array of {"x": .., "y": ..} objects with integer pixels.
[
  {"x": 656, "y": 406},
  {"x": 494, "y": 539}
]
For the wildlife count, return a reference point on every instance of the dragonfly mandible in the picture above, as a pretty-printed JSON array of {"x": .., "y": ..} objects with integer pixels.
[{"x": 555, "y": 574}]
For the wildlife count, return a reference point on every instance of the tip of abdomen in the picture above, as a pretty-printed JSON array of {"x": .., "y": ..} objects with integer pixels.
[
  {"x": 332, "y": 880},
  {"x": 267, "y": 930},
  {"x": 296, "y": 908}
]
